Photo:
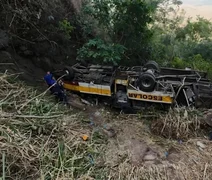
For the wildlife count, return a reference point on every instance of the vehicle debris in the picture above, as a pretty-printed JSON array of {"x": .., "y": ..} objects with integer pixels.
[{"x": 85, "y": 137}]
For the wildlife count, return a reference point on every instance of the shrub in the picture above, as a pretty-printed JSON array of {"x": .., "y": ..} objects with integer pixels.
[
  {"x": 178, "y": 63},
  {"x": 66, "y": 27},
  {"x": 101, "y": 52}
]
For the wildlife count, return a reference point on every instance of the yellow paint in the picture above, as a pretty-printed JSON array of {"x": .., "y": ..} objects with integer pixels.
[
  {"x": 150, "y": 98},
  {"x": 90, "y": 90},
  {"x": 94, "y": 90},
  {"x": 167, "y": 99},
  {"x": 107, "y": 92}
]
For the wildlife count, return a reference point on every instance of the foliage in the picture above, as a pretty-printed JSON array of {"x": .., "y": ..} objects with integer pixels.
[
  {"x": 65, "y": 26},
  {"x": 196, "y": 62},
  {"x": 199, "y": 63},
  {"x": 99, "y": 51},
  {"x": 178, "y": 63},
  {"x": 29, "y": 20},
  {"x": 167, "y": 19},
  {"x": 179, "y": 43},
  {"x": 120, "y": 22},
  {"x": 204, "y": 48},
  {"x": 168, "y": 16},
  {"x": 196, "y": 31}
]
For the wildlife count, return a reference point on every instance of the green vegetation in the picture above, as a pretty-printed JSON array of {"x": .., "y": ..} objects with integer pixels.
[
  {"x": 122, "y": 23},
  {"x": 113, "y": 31},
  {"x": 132, "y": 32},
  {"x": 98, "y": 51},
  {"x": 66, "y": 27}
]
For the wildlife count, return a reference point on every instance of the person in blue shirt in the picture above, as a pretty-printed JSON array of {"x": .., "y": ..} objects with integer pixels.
[
  {"x": 49, "y": 79},
  {"x": 56, "y": 89}
]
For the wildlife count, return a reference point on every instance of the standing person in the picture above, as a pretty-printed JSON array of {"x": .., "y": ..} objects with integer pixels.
[
  {"x": 50, "y": 80},
  {"x": 56, "y": 89}
]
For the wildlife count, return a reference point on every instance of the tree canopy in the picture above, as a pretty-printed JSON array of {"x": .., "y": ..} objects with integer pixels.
[{"x": 121, "y": 25}]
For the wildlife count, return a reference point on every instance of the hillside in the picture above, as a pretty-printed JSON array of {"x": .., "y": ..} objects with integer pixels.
[
  {"x": 33, "y": 39},
  {"x": 42, "y": 139}
]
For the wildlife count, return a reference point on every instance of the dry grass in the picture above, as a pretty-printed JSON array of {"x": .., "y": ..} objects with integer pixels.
[
  {"x": 184, "y": 160},
  {"x": 179, "y": 124},
  {"x": 39, "y": 140}
]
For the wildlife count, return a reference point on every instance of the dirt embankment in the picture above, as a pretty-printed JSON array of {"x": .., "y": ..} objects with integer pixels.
[{"x": 32, "y": 38}]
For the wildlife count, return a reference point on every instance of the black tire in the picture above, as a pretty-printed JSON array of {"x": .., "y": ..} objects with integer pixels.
[
  {"x": 152, "y": 65},
  {"x": 147, "y": 82},
  {"x": 69, "y": 73}
]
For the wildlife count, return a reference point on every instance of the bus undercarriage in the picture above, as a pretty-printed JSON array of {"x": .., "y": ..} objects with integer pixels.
[{"x": 140, "y": 86}]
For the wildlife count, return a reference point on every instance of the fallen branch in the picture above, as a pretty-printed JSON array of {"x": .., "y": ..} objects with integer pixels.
[
  {"x": 6, "y": 64},
  {"x": 30, "y": 116}
]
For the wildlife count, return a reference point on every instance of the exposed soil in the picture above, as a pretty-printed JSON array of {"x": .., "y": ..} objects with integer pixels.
[
  {"x": 131, "y": 145},
  {"x": 31, "y": 69}
]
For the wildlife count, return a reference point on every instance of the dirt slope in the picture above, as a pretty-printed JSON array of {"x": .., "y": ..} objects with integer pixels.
[{"x": 32, "y": 39}]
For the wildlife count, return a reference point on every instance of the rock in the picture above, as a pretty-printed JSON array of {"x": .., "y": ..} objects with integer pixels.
[
  {"x": 208, "y": 118},
  {"x": 85, "y": 102},
  {"x": 110, "y": 133},
  {"x": 201, "y": 145},
  {"x": 97, "y": 114},
  {"x": 138, "y": 150},
  {"x": 149, "y": 157},
  {"x": 108, "y": 127},
  {"x": 77, "y": 105},
  {"x": 51, "y": 18}
]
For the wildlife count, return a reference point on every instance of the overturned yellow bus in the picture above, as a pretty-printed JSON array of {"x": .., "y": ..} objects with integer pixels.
[{"x": 141, "y": 86}]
